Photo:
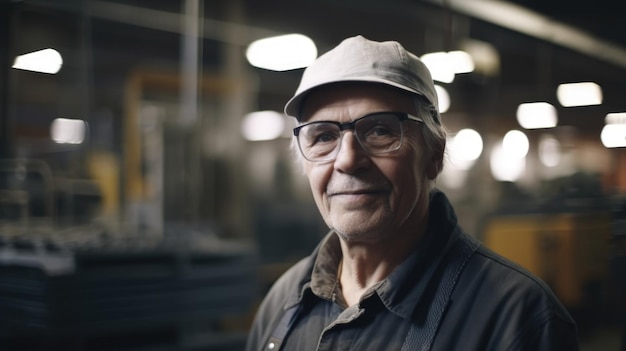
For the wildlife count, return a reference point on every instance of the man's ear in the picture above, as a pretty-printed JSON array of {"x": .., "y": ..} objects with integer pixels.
[{"x": 434, "y": 166}]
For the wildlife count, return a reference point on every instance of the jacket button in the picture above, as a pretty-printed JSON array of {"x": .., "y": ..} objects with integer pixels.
[{"x": 271, "y": 346}]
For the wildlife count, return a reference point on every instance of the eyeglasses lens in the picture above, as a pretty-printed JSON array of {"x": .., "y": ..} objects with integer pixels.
[{"x": 377, "y": 133}]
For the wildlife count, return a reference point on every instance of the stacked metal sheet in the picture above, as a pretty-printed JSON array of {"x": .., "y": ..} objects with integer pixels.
[{"x": 55, "y": 289}]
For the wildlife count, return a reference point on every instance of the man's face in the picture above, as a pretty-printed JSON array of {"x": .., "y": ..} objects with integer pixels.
[{"x": 366, "y": 198}]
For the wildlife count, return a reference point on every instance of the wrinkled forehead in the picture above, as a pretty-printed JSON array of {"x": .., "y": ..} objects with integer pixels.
[{"x": 351, "y": 100}]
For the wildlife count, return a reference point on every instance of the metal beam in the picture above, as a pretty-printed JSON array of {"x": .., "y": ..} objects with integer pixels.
[
  {"x": 172, "y": 22},
  {"x": 520, "y": 19}
]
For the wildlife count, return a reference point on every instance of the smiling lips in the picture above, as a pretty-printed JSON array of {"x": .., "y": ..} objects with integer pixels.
[
  {"x": 355, "y": 192},
  {"x": 355, "y": 187},
  {"x": 356, "y": 195}
]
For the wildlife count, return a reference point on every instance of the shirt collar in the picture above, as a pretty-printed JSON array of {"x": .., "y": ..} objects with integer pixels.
[{"x": 326, "y": 266}]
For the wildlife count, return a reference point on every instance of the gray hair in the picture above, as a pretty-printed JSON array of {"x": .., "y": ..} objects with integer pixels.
[{"x": 434, "y": 133}]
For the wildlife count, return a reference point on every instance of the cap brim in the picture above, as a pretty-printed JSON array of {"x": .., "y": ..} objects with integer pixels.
[{"x": 293, "y": 106}]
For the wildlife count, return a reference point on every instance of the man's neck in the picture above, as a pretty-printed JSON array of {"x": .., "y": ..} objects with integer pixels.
[{"x": 365, "y": 264}]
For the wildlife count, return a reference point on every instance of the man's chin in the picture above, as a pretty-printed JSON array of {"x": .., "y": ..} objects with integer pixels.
[{"x": 359, "y": 233}]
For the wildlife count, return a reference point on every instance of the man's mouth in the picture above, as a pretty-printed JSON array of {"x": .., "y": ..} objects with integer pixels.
[{"x": 355, "y": 192}]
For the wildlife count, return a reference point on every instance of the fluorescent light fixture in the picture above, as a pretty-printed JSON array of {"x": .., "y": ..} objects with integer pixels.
[
  {"x": 613, "y": 135},
  {"x": 44, "y": 61},
  {"x": 470, "y": 144},
  {"x": 615, "y": 118},
  {"x": 515, "y": 143},
  {"x": 485, "y": 56},
  {"x": 68, "y": 131},
  {"x": 464, "y": 148},
  {"x": 444, "y": 65},
  {"x": 461, "y": 62},
  {"x": 263, "y": 125},
  {"x": 282, "y": 53},
  {"x": 536, "y": 115},
  {"x": 549, "y": 151},
  {"x": 504, "y": 167},
  {"x": 443, "y": 98},
  {"x": 440, "y": 69},
  {"x": 614, "y": 132},
  {"x": 579, "y": 94}
]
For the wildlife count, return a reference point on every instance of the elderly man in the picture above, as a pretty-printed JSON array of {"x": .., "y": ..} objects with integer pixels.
[{"x": 396, "y": 272}]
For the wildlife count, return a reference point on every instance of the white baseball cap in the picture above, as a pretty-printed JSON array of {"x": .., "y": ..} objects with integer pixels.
[{"x": 358, "y": 59}]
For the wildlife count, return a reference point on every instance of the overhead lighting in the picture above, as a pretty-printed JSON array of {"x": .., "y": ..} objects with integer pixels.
[
  {"x": 504, "y": 167},
  {"x": 515, "y": 143},
  {"x": 443, "y": 98},
  {"x": 579, "y": 94},
  {"x": 461, "y": 62},
  {"x": 484, "y": 55},
  {"x": 549, "y": 151},
  {"x": 443, "y": 66},
  {"x": 536, "y": 115},
  {"x": 439, "y": 70},
  {"x": 282, "y": 53},
  {"x": 614, "y": 132},
  {"x": 263, "y": 125},
  {"x": 615, "y": 118},
  {"x": 43, "y": 61},
  {"x": 613, "y": 135},
  {"x": 508, "y": 159},
  {"x": 68, "y": 131},
  {"x": 464, "y": 148}
]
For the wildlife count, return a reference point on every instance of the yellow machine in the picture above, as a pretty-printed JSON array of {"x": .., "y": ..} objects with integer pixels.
[{"x": 569, "y": 251}]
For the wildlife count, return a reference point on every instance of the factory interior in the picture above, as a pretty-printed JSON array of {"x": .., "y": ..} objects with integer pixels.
[{"x": 149, "y": 193}]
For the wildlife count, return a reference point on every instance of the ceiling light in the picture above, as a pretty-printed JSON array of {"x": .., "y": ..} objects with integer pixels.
[
  {"x": 613, "y": 135},
  {"x": 43, "y": 61},
  {"x": 470, "y": 144},
  {"x": 485, "y": 56},
  {"x": 464, "y": 148},
  {"x": 615, "y": 118},
  {"x": 504, "y": 167},
  {"x": 282, "y": 53},
  {"x": 263, "y": 125},
  {"x": 440, "y": 69},
  {"x": 461, "y": 62},
  {"x": 549, "y": 151},
  {"x": 444, "y": 65},
  {"x": 536, "y": 115},
  {"x": 515, "y": 143},
  {"x": 579, "y": 94},
  {"x": 68, "y": 131},
  {"x": 614, "y": 132}
]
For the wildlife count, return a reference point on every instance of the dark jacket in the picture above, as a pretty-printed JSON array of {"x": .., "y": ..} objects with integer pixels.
[{"x": 462, "y": 296}]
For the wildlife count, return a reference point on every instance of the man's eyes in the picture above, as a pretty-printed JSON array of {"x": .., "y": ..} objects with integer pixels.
[{"x": 324, "y": 137}]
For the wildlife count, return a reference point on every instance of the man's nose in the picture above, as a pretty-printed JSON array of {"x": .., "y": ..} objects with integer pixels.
[{"x": 351, "y": 156}]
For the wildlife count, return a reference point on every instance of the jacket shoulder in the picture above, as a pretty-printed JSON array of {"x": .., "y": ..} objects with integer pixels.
[
  {"x": 289, "y": 285},
  {"x": 510, "y": 275},
  {"x": 283, "y": 293},
  {"x": 498, "y": 304}
]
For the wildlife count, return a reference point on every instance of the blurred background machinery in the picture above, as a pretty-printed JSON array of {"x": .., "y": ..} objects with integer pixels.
[
  {"x": 86, "y": 289},
  {"x": 573, "y": 239}
]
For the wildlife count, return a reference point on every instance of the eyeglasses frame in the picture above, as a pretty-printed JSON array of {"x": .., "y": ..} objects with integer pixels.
[{"x": 402, "y": 116}]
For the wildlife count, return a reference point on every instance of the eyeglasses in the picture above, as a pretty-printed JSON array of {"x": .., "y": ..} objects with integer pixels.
[{"x": 377, "y": 133}]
